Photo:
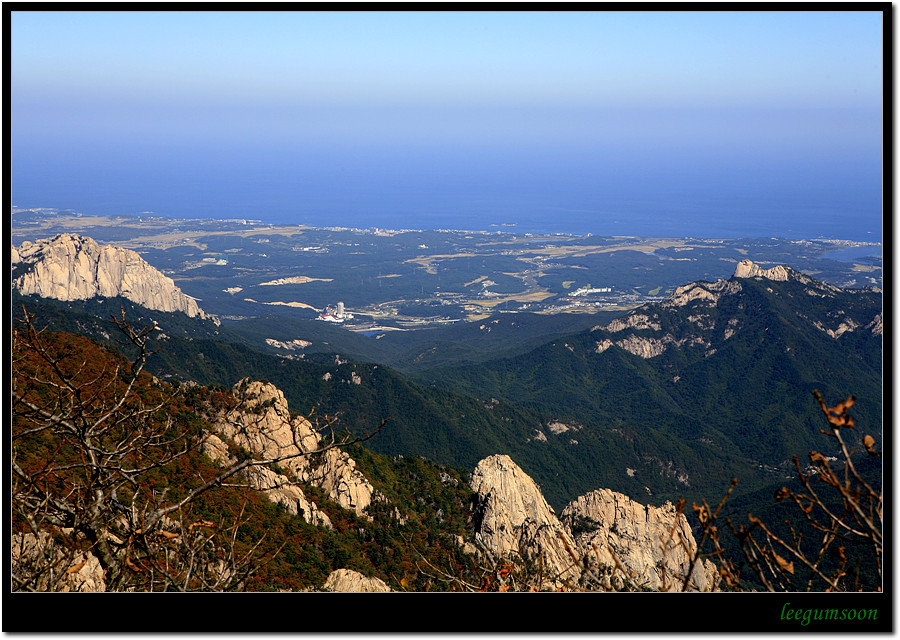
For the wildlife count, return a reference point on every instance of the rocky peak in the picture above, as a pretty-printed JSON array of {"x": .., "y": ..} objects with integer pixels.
[
  {"x": 603, "y": 540},
  {"x": 778, "y": 273},
  {"x": 74, "y": 267},
  {"x": 749, "y": 269},
  {"x": 654, "y": 545},
  {"x": 688, "y": 317},
  {"x": 263, "y": 424},
  {"x": 513, "y": 519}
]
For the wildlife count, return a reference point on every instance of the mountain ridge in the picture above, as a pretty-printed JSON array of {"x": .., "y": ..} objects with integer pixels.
[
  {"x": 726, "y": 366},
  {"x": 323, "y": 496}
]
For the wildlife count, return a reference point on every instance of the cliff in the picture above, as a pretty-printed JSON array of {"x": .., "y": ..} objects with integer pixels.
[
  {"x": 602, "y": 541},
  {"x": 262, "y": 424},
  {"x": 653, "y": 546},
  {"x": 512, "y": 518},
  {"x": 74, "y": 267}
]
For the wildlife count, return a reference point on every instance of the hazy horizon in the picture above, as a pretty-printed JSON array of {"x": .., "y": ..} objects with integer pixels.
[{"x": 751, "y": 123}]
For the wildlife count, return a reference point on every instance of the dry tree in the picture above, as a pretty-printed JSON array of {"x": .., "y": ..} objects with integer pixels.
[
  {"x": 836, "y": 508},
  {"x": 94, "y": 442}
]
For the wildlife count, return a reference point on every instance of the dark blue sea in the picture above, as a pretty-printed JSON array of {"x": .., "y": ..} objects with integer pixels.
[{"x": 552, "y": 192}]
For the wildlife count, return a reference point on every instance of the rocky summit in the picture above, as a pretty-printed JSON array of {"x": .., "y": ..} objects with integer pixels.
[
  {"x": 749, "y": 269},
  {"x": 653, "y": 546},
  {"x": 603, "y": 540},
  {"x": 703, "y": 328},
  {"x": 263, "y": 425},
  {"x": 74, "y": 267}
]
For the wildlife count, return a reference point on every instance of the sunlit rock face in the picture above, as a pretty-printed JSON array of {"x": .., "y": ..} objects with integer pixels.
[
  {"x": 749, "y": 269},
  {"x": 707, "y": 292},
  {"x": 512, "y": 519},
  {"x": 654, "y": 545},
  {"x": 349, "y": 581},
  {"x": 74, "y": 267},
  {"x": 263, "y": 424},
  {"x": 778, "y": 273},
  {"x": 603, "y": 540}
]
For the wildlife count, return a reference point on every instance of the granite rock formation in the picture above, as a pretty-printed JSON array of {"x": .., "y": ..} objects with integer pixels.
[
  {"x": 602, "y": 541},
  {"x": 654, "y": 545},
  {"x": 263, "y": 425},
  {"x": 349, "y": 581},
  {"x": 277, "y": 487},
  {"x": 74, "y": 267},
  {"x": 82, "y": 573},
  {"x": 512, "y": 518}
]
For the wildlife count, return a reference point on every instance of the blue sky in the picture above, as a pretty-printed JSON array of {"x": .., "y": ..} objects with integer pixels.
[
  {"x": 92, "y": 89},
  {"x": 403, "y": 69},
  {"x": 631, "y": 59}
]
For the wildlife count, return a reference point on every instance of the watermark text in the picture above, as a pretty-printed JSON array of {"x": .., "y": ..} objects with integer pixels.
[{"x": 805, "y": 616}]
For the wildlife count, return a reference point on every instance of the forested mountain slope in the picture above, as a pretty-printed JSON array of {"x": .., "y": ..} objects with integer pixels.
[
  {"x": 673, "y": 399},
  {"x": 723, "y": 371}
]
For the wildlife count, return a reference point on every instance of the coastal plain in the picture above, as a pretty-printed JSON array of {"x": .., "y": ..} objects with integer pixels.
[{"x": 409, "y": 278}]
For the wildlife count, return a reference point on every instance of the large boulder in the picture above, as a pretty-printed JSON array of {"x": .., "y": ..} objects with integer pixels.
[
  {"x": 349, "y": 581},
  {"x": 74, "y": 267}
]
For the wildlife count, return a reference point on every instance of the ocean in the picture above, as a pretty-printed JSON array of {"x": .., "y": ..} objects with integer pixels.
[{"x": 494, "y": 190}]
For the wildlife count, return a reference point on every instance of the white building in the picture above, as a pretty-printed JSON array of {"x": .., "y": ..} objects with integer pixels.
[
  {"x": 584, "y": 291},
  {"x": 335, "y": 314}
]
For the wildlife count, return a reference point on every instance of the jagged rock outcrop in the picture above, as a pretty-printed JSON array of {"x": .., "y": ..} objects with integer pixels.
[
  {"x": 838, "y": 331},
  {"x": 602, "y": 541},
  {"x": 654, "y": 545},
  {"x": 277, "y": 487},
  {"x": 749, "y": 269},
  {"x": 512, "y": 518},
  {"x": 633, "y": 321},
  {"x": 708, "y": 292},
  {"x": 74, "y": 267},
  {"x": 647, "y": 347},
  {"x": 349, "y": 581},
  {"x": 876, "y": 325},
  {"x": 780, "y": 273},
  {"x": 262, "y": 424}
]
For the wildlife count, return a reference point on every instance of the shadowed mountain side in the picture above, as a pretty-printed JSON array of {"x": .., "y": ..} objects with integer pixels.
[{"x": 500, "y": 335}]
